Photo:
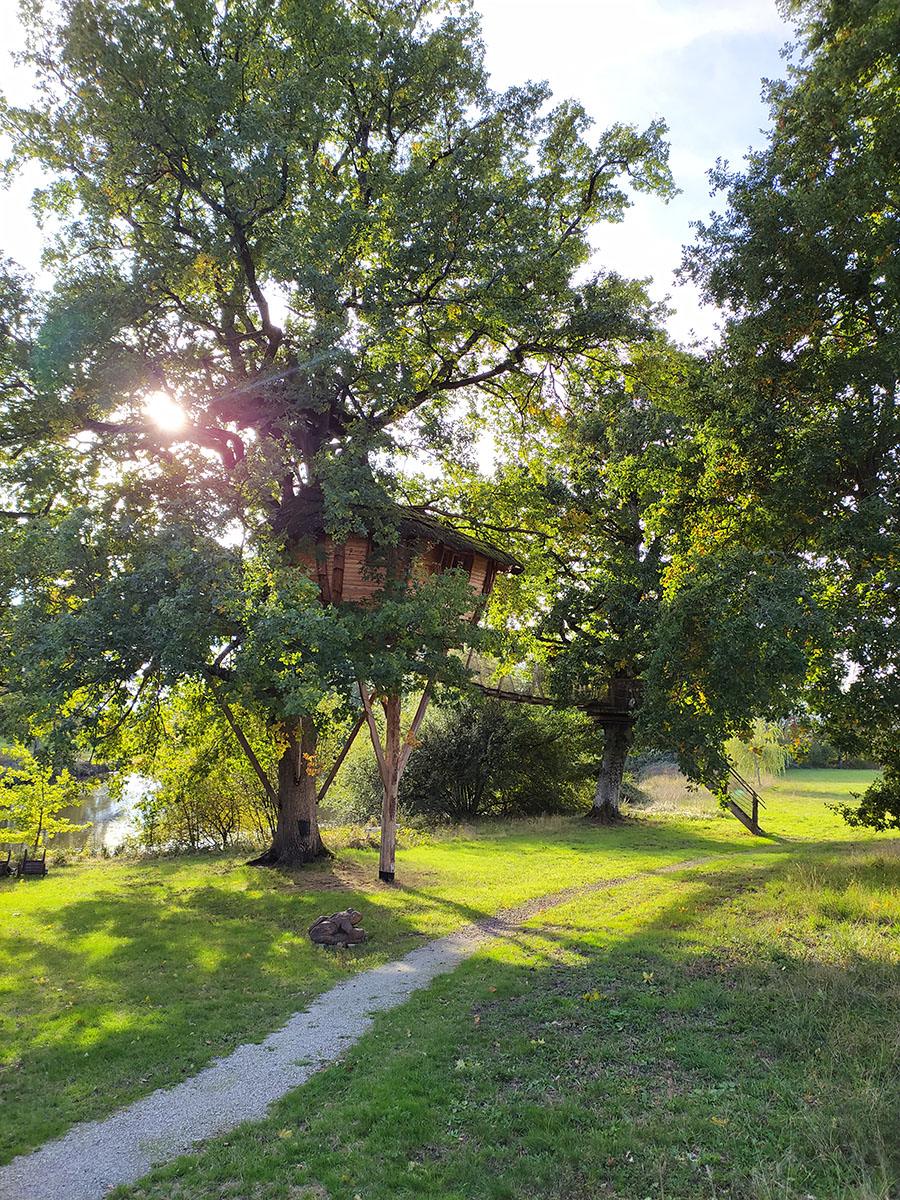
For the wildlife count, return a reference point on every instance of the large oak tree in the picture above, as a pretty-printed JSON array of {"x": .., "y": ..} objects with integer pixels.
[
  {"x": 801, "y": 408},
  {"x": 315, "y": 226}
]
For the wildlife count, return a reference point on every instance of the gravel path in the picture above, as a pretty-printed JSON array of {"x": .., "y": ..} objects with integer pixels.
[{"x": 96, "y": 1156}]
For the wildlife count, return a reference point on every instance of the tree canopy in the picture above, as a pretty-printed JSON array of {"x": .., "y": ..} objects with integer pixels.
[
  {"x": 317, "y": 231},
  {"x": 302, "y": 256},
  {"x": 800, "y": 407}
]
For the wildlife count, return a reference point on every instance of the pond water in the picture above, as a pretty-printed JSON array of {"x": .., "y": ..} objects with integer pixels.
[{"x": 111, "y": 821}]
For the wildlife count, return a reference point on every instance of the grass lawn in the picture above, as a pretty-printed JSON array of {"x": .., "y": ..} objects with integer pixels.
[
  {"x": 119, "y": 977},
  {"x": 720, "y": 1033},
  {"x": 804, "y": 793}
]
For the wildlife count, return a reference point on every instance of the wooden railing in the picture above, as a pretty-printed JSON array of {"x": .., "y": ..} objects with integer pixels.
[{"x": 751, "y": 819}]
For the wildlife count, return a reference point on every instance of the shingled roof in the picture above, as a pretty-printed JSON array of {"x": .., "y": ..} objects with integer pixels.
[{"x": 303, "y": 517}]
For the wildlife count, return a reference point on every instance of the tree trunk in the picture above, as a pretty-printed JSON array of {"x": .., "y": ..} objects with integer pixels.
[
  {"x": 608, "y": 793},
  {"x": 391, "y": 783},
  {"x": 296, "y": 839}
]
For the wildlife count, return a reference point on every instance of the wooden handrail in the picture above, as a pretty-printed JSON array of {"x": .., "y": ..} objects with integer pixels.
[{"x": 748, "y": 787}]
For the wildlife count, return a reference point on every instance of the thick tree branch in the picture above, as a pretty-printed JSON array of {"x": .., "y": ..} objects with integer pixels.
[
  {"x": 229, "y": 446},
  {"x": 242, "y": 740}
]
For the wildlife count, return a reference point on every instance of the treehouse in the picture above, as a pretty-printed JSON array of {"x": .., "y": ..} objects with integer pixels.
[
  {"x": 356, "y": 569},
  {"x": 390, "y": 545},
  {"x": 608, "y": 703},
  {"x": 611, "y": 703}
]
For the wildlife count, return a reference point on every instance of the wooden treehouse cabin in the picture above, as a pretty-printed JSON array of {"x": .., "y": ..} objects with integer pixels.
[{"x": 357, "y": 570}]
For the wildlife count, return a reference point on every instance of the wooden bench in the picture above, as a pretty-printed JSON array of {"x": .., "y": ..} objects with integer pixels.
[{"x": 33, "y": 866}]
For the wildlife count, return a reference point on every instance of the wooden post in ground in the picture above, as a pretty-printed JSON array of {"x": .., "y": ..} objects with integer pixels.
[
  {"x": 392, "y": 759},
  {"x": 391, "y": 706}
]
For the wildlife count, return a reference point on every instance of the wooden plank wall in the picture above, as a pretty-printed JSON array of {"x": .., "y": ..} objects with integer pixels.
[{"x": 361, "y": 582}]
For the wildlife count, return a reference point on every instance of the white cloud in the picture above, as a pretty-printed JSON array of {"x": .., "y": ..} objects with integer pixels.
[
  {"x": 697, "y": 63},
  {"x": 639, "y": 28}
]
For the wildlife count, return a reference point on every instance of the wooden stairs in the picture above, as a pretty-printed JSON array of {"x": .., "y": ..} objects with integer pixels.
[{"x": 749, "y": 819}]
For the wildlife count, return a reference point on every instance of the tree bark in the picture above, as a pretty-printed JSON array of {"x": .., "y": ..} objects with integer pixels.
[
  {"x": 391, "y": 781},
  {"x": 608, "y": 793},
  {"x": 297, "y": 840}
]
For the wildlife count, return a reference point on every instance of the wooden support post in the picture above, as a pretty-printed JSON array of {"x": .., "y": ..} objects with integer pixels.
[
  {"x": 410, "y": 740},
  {"x": 373, "y": 729},
  {"x": 388, "y": 783},
  {"x": 392, "y": 751},
  {"x": 392, "y": 759}
]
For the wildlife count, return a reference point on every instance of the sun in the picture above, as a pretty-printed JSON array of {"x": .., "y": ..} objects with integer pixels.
[{"x": 165, "y": 412}]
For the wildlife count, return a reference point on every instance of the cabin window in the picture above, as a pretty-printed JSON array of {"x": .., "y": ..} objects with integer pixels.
[
  {"x": 451, "y": 559},
  {"x": 395, "y": 560}
]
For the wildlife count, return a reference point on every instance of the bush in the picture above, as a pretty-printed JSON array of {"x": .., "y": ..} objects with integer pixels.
[
  {"x": 879, "y": 805},
  {"x": 490, "y": 758}
]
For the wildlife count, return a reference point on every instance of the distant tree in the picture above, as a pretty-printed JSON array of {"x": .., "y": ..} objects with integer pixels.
[
  {"x": 599, "y": 471},
  {"x": 762, "y": 752},
  {"x": 597, "y": 563},
  {"x": 800, "y": 409},
  {"x": 317, "y": 229}
]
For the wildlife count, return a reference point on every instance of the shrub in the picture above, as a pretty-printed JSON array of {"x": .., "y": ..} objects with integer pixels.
[
  {"x": 33, "y": 800},
  {"x": 490, "y": 758}
]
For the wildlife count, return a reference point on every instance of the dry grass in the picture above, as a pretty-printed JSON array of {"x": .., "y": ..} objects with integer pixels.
[{"x": 669, "y": 793}]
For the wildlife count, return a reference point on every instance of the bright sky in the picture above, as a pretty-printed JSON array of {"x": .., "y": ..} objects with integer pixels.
[{"x": 697, "y": 63}]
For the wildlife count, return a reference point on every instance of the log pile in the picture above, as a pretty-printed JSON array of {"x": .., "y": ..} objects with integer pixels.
[{"x": 340, "y": 929}]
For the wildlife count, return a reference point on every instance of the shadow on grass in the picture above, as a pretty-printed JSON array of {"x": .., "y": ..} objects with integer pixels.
[
  {"x": 131, "y": 989},
  {"x": 147, "y": 979},
  {"x": 711, "y": 1052},
  {"x": 144, "y": 980}
]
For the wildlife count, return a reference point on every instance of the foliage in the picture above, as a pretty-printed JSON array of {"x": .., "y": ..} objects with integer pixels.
[
  {"x": 595, "y": 493},
  {"x": 764, "y": 752},
  {"x": 579, "y": 469},
  {"x": 798, "y": 414},
  {"x": 491, "y": 758},
  {"x": 33, "y": 799},
  {"x": 201, "y": 789},
  {"x": 733, "y": 647},
  {"x": 879, "y": 806},
  {"x": 316, "y": 228}
]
